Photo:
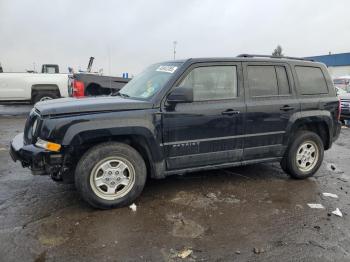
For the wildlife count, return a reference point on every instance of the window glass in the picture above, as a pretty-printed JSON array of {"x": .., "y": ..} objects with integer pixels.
[
  {"x": 146, "y": 84},
  {"x": 51, "y": 70},
  {"x": 282, "y": 77},
  {"x": 340, "y": 81},
  {"x": 262, "y": 80},
  {"x": 311, "y": 80},
  {"x": 212, "y": 82}
]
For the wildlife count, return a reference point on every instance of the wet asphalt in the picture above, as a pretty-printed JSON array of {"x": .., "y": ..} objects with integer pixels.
[{"x": 251, "y": 213}]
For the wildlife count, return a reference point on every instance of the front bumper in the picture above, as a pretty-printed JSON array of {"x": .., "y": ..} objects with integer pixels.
[{"x": 29, "y": 155}]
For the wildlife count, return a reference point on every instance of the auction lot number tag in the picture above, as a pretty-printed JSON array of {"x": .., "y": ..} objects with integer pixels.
[{"x": 167, "y": 69}]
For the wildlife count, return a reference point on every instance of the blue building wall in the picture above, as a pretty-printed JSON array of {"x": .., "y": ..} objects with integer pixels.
[{"x": 333, "y": 59}]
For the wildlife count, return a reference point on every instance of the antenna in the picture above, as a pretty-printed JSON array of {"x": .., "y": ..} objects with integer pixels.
[
  {"x": 175, "y": 43},
  {"x": 91, "y": 60},
  {"x": 109, "y": 60},
  {"x": 109, "y": 65}
]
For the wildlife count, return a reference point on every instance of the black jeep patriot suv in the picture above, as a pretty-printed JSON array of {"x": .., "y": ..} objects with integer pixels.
[{"x": 182, "y": 116}]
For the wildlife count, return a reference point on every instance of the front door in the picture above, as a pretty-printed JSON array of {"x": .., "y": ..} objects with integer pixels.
[{"x": 208, "y": 130}]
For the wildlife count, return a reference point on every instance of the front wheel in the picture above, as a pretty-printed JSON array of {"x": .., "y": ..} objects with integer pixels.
[
  {"x": 304, "y": 156},
  {"x": 110, "y": 175}
]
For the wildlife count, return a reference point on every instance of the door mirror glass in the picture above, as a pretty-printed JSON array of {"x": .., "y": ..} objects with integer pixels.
[{"x": 181, "y": 94}]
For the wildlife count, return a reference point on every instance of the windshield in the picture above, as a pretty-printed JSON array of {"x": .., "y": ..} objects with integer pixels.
[{"x": 149, "y": 82}]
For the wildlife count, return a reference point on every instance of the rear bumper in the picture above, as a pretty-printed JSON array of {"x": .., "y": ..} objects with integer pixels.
[
  {"x": 345, "y": 111},
  {"x": 29, "y": 155},
  {"x": 337, "y": 129},
  {"x": 345, "y": 116}
]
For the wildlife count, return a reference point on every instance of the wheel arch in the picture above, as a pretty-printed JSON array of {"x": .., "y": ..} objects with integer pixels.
[
  {"x": 319, "y": 124},
  {"x": 142, "y": 142},
  {"x": 45, "y": 87}
]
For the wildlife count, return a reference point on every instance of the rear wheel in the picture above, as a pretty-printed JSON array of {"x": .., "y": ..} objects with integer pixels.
[
  {"x": 44, "y": 95},
  {"x": 110, "y": 175},
  {"x": 304, "y": 155}
]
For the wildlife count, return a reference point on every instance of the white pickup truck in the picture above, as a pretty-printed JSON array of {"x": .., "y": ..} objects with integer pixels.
[{"x": 33, "y": 87}]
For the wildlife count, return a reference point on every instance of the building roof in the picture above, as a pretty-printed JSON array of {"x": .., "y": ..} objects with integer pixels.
[{"x": 342, "y": 59}]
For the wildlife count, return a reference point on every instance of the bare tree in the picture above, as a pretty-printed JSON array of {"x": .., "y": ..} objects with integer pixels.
[{"x": 277, "y": 51}]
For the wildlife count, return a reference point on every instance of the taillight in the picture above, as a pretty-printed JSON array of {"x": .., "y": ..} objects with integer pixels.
[
  {"x": 339, "y": 109},
  {"x": 78, "y": 88}
]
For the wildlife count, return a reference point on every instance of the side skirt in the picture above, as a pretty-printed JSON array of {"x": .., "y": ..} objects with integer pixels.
[{"x": 220, "y": 166}]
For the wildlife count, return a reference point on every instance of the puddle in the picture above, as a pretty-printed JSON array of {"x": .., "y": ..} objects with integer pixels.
[{"x": 185, "y": 228}]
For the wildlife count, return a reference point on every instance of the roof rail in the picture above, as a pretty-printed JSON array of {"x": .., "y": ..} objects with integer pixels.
[{"x": 270, "y": 56}]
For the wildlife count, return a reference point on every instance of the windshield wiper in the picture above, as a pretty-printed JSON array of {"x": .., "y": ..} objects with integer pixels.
[
  {"x": 123, "y": 95},
  {"x": 120, "y": 94}
]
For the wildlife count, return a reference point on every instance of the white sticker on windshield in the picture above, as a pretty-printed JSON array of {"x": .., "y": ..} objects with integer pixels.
[{"x": 167, "y": 69}]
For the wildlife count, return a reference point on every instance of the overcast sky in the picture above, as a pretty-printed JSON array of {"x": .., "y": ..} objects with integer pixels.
[{"x": 135, "y": 34}]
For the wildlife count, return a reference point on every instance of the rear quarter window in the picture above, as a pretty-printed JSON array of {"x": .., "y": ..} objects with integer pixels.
[{"x": 311, "y": 80}]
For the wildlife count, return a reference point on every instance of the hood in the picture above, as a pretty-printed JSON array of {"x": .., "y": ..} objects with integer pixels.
[{"x": 93, "y": 104}]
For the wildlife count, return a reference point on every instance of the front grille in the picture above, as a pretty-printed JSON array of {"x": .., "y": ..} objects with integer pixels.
[{"x": 28, "y": 128}]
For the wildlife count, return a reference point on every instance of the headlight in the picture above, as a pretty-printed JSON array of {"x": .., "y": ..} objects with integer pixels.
[
  {"x": 48, "y": 145},
  {"x": 35, "y": 125}
]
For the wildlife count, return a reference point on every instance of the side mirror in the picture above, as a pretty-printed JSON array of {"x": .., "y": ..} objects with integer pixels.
[{"x": 183, "y": 94}]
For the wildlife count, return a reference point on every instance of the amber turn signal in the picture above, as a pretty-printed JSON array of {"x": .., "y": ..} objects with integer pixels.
[{"x": 48, "y": 145}]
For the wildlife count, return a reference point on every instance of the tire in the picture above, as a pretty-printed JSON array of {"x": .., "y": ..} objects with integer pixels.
[
  {"x": 299, "y": 161},
  {"x": 103, "y": 165},
  {"x": 44, "y": 95}
]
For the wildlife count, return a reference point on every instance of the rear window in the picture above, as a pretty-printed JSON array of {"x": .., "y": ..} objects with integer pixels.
[
  {"x": 262, "y": 80},
  {"x": 266, "y": 80},
  {"x": 311, "y": 80},
  {"x": 341, "y": 81},
  {"x": 283, "y": 83}
]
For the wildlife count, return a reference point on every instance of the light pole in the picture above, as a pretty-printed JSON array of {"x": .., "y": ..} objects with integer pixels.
[{"x": 175, "y": 43}]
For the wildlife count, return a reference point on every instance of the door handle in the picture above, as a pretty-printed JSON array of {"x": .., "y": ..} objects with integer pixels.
[
  {"x": 286, "y": 108},
  {"x": 230, "y": 112}
]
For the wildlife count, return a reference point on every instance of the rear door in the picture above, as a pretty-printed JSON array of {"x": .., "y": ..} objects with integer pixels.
[
  {"x": 316, "y": 91},
  {"x": 209, "y": 130},
  {"x": 271, "y": 101}
]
